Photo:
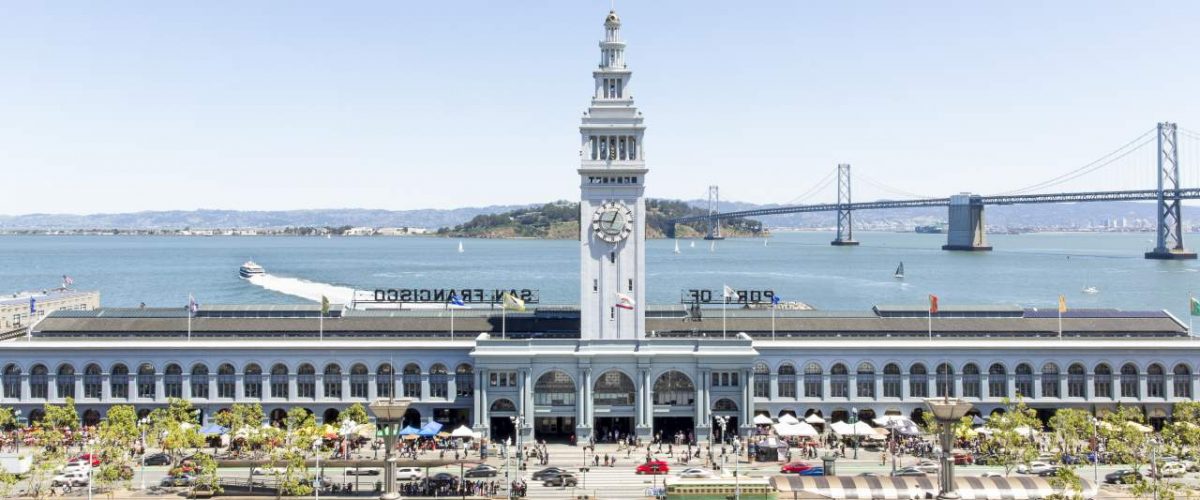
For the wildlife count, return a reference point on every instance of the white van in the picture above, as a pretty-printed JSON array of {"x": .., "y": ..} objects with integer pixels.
[{"x": 409, "y": 473}]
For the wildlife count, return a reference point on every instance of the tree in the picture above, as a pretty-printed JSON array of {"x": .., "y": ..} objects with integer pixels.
[
  {"x": 206, "y": 471},
  {"x": 115, "y": 437},
  {"x": 1010, "y": 438},
  {"x": 1126, "y": 442},
  {"x": 7, "y": 418},
  {"x": 175, "y": 428},
  {"x": 1072, "y": 427},
  {"x": 355, "y": 413}
]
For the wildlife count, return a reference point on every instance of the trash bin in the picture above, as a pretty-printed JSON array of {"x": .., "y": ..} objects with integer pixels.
[{"x": 828, "y": 461}]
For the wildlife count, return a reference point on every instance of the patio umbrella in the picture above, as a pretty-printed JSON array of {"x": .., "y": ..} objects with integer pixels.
[
  {"x": 814, "y": 419},
  {"x": 463, "y": 432}
]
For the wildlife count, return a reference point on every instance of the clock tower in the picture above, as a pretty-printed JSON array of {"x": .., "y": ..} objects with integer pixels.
[{"x": 612, "y": 177}]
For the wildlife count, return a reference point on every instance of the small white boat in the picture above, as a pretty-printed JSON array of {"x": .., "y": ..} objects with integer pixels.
[
  {"x": 764, "y": 242},
  {"x": 460, "y": 247},
  {"x": 676, "y": 246},
  {"x": 693, "y": 244},
  {"x": 1091, "y": 290},
  {"x": 899, "y": 272},
  {"x": 328, "y": 236},
  {"x": 250, "y": 269},
  {"x": 712, "y": 247}
]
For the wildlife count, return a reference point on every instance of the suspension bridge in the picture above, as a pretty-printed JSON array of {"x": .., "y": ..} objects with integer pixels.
[{"x": 966, "y": 224}]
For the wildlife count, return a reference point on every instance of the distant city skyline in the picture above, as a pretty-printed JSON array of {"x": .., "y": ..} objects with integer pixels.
[{"x": 132, "y": 106}]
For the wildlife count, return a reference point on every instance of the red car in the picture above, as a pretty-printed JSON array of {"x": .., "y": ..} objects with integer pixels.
[
  {"x": 794, "y": 468},
  {"x": 87, "y": 457},
  {"x": 963, "y": 458},
  {"x": 653, "y": 467}
]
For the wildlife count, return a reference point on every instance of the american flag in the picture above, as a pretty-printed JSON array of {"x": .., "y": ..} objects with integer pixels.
[
  {"x": 193, "y": 306},
  {"x": 67, "y": 281}
]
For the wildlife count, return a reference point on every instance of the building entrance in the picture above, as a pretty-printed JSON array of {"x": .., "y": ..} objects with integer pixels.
[
  {"x": 554, "y": 429},
  {"x": 668, "y": 429},
  {"x": 731, "y": 429},
  {"x": 503, "y": 430},
  {"x": 609, "y": 429}
]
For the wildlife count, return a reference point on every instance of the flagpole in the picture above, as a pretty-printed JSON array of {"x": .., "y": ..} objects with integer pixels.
[
  {"x": 191, "y": 300},
  {"x": 930, "y": 313},
  {"x": 772, "y": 321},
  {"x": 321, "y": 326},
  {"x": 451, "y": 322},
  {"x": 1060, "y": 322},
  {"x": 503, "y": 322},
  {"x": 724, "y": 305}
]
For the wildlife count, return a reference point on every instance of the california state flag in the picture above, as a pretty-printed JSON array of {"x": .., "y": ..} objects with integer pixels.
[{"x": 625, "y": 301}]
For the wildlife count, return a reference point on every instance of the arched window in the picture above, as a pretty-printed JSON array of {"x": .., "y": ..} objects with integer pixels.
[
  {"x": 1183, "y": 381},
  {"x": 813, "y": 381},
  {"x": 554, "y": 388},
  {"x": 360, "y": 381},
  {"x": 39, "y": 382},
  {"x": 1024, "y": 380},
  {"x": 412, "y": 381},
  {"x": 12, "y": 382},
  {"x": 333, "y": 381},
  {"x": 306, "y": 381},
  {"x": 891, "y": 381},
  {"x": 1129, "y": 381},
  {"x": 118, "y": 381},
  {"x": 252, "y": 384},
  {"x": 1050, "y": 380},
  {"x": 1076, "y": 381},
  {"x": 439, "y": 381},
  {"x": 1156, "y": 381},
  {"x": 1103, "y": 381},
  {"x": 725, "y": 405},
  {"x": 279, "y": 381},
  {"x": 173, "y": 381},
  {"x": 145, "y": 381},
  {"x": 918, "y": 381},
  {"x": 675, "y": 389},
  {"x": 503, "y": 405},
  {"x": 944, "y": 383},
  {"x": 762, "y": 380},
  {"x": 226, "y": 381},
  {"x": 464, "y": 381},
  {"x": 614, "y": 388},
  {"x": 787, "y": 381},
  {"x": 199, "y": 381},
  {"x": 865, "y": 380},
  {"x": 997, "y": 381},
  {"x": 839, "y": 383},
  {"x": 971, "y": 384},
  {"x": 93, "y": 382},
  {"x": 64, "y": 382},
  {"x": 385, "y": 380}
]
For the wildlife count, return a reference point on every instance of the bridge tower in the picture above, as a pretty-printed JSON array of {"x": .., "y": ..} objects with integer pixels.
[
  {"x": 714, "y": 224},
  {"x": 1169, "y": 244},
  {"x": 845, "y": 220},
  {"x": 966, "y": 230}
]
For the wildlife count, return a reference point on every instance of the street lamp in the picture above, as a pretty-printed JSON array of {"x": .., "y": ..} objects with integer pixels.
[
  {"x": 389, "y": 413},
  {"x": 17, "y": 419},
  {"x": 854, "y": 426},
  {"x": 947, "y": 411},
  {"x": 316, "y": 447},
  {"x": 518, "y": 422},
  {"x": 143, "y": 423}
]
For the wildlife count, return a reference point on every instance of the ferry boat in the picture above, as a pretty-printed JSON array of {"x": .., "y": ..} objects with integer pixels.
[{"x": 250, "y": 269}]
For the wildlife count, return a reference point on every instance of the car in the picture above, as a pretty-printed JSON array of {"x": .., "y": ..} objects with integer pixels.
[
  {"x": 928, "y": 467},
  {"x": 70, "y": 479},
  {"x": 91, "y": 458},
  {"x": 1171, "y": 469},
  {"x": 267, "y": 471},
  {"x": 908, "y": 472},
  {"x": 1190, "y": 465},
  {"x": 1122, "y": 476},
  {"x": 794, "y": 468},
  {"x": 481, "y": 470},
  {"x": 363, "y": 472},
  {"x": 565, "y": 479},
  {"x": 991, "y": 474},
  {"x": 409, "y": 474},
  {"x": 653, "y": 467},
  {"x": 1050, "y": 471},
  {"x": 696, "y": 472},
  {"x": 442, "y": 478},
  {"x": 76, "y": 467},
  {"x": 157, "y": 459},
  {"x": 961, "y": 458},
  {"x": 812, "y": 471},
  {"x": 175, "y": 481},
  {"x": 547, "y": 472},
  {"x": 1032, "y": 467}
]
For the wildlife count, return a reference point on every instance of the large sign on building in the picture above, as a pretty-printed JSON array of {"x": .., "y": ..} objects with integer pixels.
[{"x": 444, "y": 295}]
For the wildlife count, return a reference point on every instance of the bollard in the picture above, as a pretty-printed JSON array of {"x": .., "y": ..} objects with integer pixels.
[{"x": 829, "y": 464}]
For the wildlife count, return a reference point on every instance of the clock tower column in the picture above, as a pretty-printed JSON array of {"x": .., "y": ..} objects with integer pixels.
[{"x": 612, "y": 208}]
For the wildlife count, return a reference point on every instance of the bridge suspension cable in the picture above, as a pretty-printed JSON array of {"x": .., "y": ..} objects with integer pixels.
[
  {"x": 888, "y": 189},
  {"x": 816, "y": 189},
  {"x": 1108, "y": 159}
]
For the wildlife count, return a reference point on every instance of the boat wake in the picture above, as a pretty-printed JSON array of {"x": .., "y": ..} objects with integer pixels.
[{"x": 304, "y": 289}]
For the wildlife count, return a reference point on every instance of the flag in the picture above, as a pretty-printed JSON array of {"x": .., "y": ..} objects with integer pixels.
[
  {"x": 1195, "y": 306},
  {"x": 774, "y": 300},
  {"x": 728, "y": 292},
  {"x": 512, "y": 303},
  {"x": 455, "y": 301},
  {"x": 67, "y": 281},
  {"x": 193, "y": 306},
  {"x": 625, "y": 301},
  {"x": 933, "y": 308},
  {"x": 1062, "y": 304},
  {"x": 324, "y": 305},
  {"x": 32, "y": 305}
]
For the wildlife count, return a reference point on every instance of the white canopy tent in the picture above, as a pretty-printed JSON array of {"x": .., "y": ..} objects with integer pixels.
[
  {"x": 799, "y": 429},
  {"x": 814, "y": 419},
  {"x": 787, "y": 418},
  {"x": 858, "y": 429},
  {"x": 762, "y": 420},
  {"x": 462, "y": 432}
]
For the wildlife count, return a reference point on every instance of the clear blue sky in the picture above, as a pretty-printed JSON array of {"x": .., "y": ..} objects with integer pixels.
[{"x": 150, "y": 105}]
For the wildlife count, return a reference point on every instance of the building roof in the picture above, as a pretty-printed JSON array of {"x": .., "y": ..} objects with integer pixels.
[{"x": 22, "y": 298}]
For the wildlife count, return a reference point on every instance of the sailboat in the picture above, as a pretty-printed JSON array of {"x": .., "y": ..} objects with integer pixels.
[
  {"x": 764, "y": 242},
  {"x": 460, "y": 247},
  {"x": 712, "y": 247},
  {"x": 676, "y": 246},
  {"x": 899, "y": 271},
  {"x": 693, "y": 244}
]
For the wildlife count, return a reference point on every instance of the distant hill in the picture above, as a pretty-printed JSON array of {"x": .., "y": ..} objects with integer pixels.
[{"x": 560, "y": 220}]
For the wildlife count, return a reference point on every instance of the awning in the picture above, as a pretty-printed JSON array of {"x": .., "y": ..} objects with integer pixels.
[
  {"x": 213, "y": 430},
  {"x": 970, "y": 488},
  {"x": 788, "y": 419},
  {"x": 762, "y": 420},
  {"x": 410, "y": 431},
  {"x": 431, "y": 429}
]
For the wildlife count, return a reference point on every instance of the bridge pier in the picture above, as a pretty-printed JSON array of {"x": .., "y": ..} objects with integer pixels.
[
  {"x": 845, "y": 219},
  {"x": 966, "y": 229},
  {"x": 1169, "y": 241}
]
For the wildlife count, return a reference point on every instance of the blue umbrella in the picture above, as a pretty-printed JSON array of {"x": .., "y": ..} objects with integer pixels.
[
  {"x": 431, "y": 429},
  {"x": 213, "y": 430},
  {"x": 410, "y": 431}
]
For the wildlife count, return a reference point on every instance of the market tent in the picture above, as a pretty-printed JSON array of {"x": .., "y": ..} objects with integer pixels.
[
  {"x": 213, "y": 430},
  {"x": 814, "y": 419},
  {"x": 800, "y": 429},
  {"x": 410, "y": 431},
  {"x": 858, "y": 429},
  {"x": 463, "y": 432},
  {"x": 430, "y": 430},
  {"x": 762, "y": 420},
  {"x": 787, "y": 418},
  {"x": 1140, "y": 427}
]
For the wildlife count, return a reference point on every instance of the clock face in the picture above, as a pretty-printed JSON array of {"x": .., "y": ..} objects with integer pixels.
[{"x": 612, "y": 222}]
